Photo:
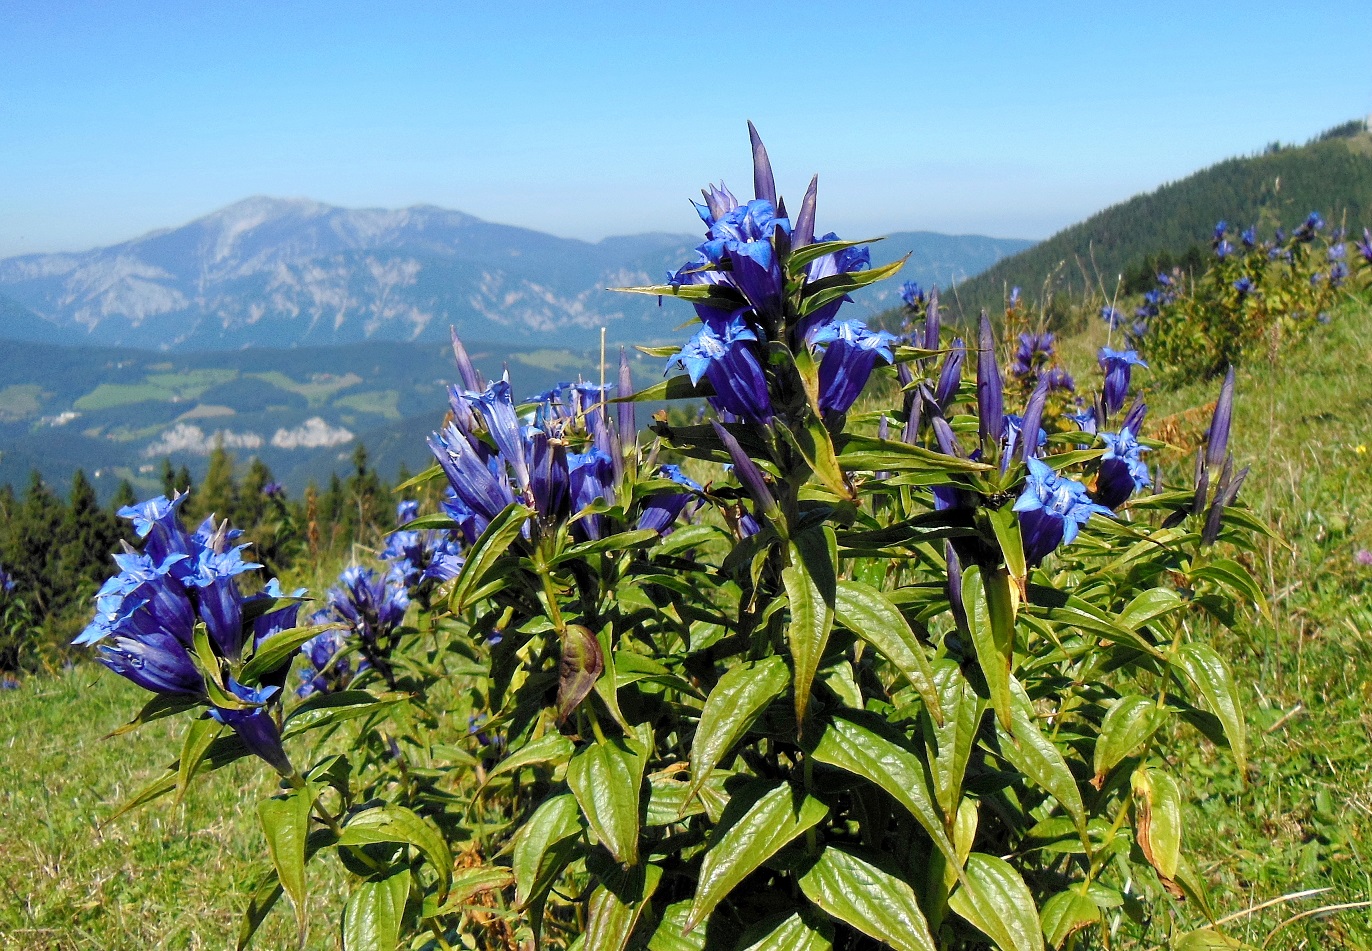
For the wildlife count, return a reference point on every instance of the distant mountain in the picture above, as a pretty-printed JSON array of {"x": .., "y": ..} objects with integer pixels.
[
  {"x": 270, "y": 272},
  {"x": 1331, "y": 174}
]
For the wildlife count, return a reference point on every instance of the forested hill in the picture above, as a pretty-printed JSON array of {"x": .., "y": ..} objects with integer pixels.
[{"x": 1332, "y": 175}]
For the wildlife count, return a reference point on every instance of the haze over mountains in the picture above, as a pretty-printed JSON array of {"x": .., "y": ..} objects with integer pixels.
[{"x": 271, "y": 272}]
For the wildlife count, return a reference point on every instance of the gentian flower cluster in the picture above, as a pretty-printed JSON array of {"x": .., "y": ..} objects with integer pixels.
[
  {"x": 6, "y": 582},
  {"x": 1034, "y": 359},
  {"x": 328, "y": 666},
  {"x": 570, "y": 452},
  {"x": 371, "y": 605},
  {"x": 743, "y": 259},
  {"x": 174, "y": 620},
  {"x": 1052, "y": 508},
  {"x": 421, "y": 555}
]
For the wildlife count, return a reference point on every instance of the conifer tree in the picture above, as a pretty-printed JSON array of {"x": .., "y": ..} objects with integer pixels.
[{"x": 218, "y": 494}]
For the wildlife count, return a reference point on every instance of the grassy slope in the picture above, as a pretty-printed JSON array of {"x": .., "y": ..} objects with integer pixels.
[
  {"x": 1333, "y": 177},
  {"x": 1303, "y": 820}
]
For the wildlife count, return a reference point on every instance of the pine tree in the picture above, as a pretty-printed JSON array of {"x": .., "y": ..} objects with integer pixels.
[
  {"x": 251, "y": 503},
  {"x": 87, "y": 535},
  {"x": 169, "y": 479},
  {"x": 218, "y": 495},
  {"x": 29, "y": 553},
  {"x": 123, "y": 496}
]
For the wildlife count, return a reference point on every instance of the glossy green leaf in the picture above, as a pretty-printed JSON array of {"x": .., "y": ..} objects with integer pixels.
[
  {"x": 810, "y": 592},
  {"x": 1149, "y": 606},
  {"x": 278, "y": 650},
  {"x": 437, "y": 521},
  {"x": 870, "y": 615},
  {"x": 865, "y": 746},
  {"x": 995, "y": 901},
  {"x": 1067, "y": 913},
  {"x": 549, "y": 749},
  {"x": 1207, "y": 939},
  {"x": 285, "y": 821},
  {"x": 800, "y": 258},
  {"x": 482, "y": 556},
  {"x": 391, "y": 823},
  {"x": 1039, "y": 760},
  {"x": 732, "y": 707},
  {"x": 624, "y": 541},
  {"x": 1210, "y": 675},
  {"x": 1129, "y": 723},
  {"x": 616, "y": 906},
  {"x": 428, "y": 475},
  {"x": 795, "y": 933},
  {"x": 766, "y": 819},
  {"x": 1005, "y": 525},
  {"x": 1157, "y": 819},
  {"x": 991, "y": 619},
  {"x": 534, "y": 865},
  {"x": 467, "y": 885},
  {"x": 375, "y": 911},
  {"x": 873, "y": 901},
  {"x": 671, "y": 933},
  {"x": 949, "y": 744},
  {"x": 328, "y": 709},
  {"x": 263, "y": 899},
  {"x": 161, "y": 705},
  {"x": 199, "y": 735},
  {"x": 607, "y": 779}
]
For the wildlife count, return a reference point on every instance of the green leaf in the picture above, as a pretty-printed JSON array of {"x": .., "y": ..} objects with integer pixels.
[
  {"x": 616, "y": 906},
  {"x": 327, "y": 709},
  {"x": 390, "y": 823},
  {"x": 949, "y": 745},
  {"x": 1157, "y": 819},
  {"x": 813, "y": 443},
  {"x": 1128, "y": 724},
  {"x": 732, "y": 707},
  {"x": 482, "y": 557},
  {"x": 1234, "y": 576},
  {"x": 873, "y": 901},
  {"x": 436, "y": 521},
  {"x": 1065, "y": 914},
  {"x": 995, "y": 901},
  {"x": 624, "y": 541},
  {"x": 286, "y": 823},
  {"x": 1038, "y": 759},
  {"x": 828, "y": 289},
  {"x": 196, "y": 744},
  {"x": 373, "y": 915},
  {"x": 801, "y": 257},
  {"x": 869, "y": 454},
  {"x": 1150, "y": 605},
  {"x": 855, "y": 743},
  {"x": 811, "y": 590},
  {"x": 264, "y": 897},
  {"x": 161, "y": 705},
  {"x": 467, "y": 884},
  {"x": 578, "y": 668},
  {"x": 796, "y": 933},
  {"x": 607, "y": 779},
  {"x": 870, "y": 615},
  {"x": 1209, "y": 673},
  {"x": 714, "y": 295},
  {"x": 534, "y": 863},
  {"x": 676, "y": 388},
  {"x": 1207, "y": 939},
  {"x": 671, "y": 933},
  {"x": 1005, "y": 524},
  {"x": 434, "y": 471},
  {"x": 550, "y": 748},
  {"x": 765, "y": 819},
  {"x": 991, "y": 620},
  {"x": 276, "y": 651}
]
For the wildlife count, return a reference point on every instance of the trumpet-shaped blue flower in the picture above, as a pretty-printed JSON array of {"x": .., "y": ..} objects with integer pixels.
[
  {"x": 1365, "y": 246},
  {"x": 255, "y": 725},
  {"x": 372, "y": 605},
  {"x": 1052, "y": 508},
  {"x": 662, "y": 508},
  {"x": 1122, "y": 470},
  {"x": 728, "y": 358},
  {"x": 328, "y": 666},
  {"x": 851, "y": 352},
  {"x": 1118, "y": 366},
  {"x": 591, "y": 479},
  {"x": 912, "y": 294}
]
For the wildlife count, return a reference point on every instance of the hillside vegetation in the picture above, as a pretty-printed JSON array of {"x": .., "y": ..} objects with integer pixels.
[{"x": 1332, "y": 175}]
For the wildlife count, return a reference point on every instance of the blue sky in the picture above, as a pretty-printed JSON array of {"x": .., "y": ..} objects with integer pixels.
[{"x": 590, "y": 119}]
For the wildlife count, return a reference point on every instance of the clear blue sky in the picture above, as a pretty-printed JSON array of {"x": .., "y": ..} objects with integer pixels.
[{"x": 590, "y": 119}]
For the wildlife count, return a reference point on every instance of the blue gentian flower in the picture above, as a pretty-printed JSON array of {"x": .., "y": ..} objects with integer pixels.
[
  {"x": 1249, "y": 236},
  {"x": 373, "y": 606},
  {"x": 1052, "y": 508},
  {"x": 6, "y": 582},
  {"x": 1085, "y": 420},
  {"x": 741, "y": 240},
  {"x": 591, "y": 479},
  {"x": 1035, "y": 351},
  {"x": 497, "y": 408},
  {"x": 912, "y": 294},
  {"x": 1221, "y": 228},
  {"x": 1365, "y": 246},
  {"x": 1111, "y": 316},
  {"x": 255, "y": 726},
  {"x": 851, "y": 352},
  {"x": 1118, "y": 366},
  {"x": 1244, "y": 286},
  {"x": 1338, "y": 273},
  {"x": 328, "y": 667},
  {"x": 1336, "y": 252},
  {"x": 728, "y": 358},
  {"x": 1122, "y": 470},
  {"x": 273, "y": 490},
  {"x": 661, "y": 509},
  {"x": 1223, "y": 249}
]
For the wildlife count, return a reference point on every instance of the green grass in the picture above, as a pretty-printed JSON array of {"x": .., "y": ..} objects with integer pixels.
[
  {"x": 20, "y": 400},
  {"x": 317, "y": 392},
  {"x": 551, "y": 360},
  {"x": 384, "y": 403},
  {"x": 160, "y": 877},
  {"x": 156, "y": 387}
]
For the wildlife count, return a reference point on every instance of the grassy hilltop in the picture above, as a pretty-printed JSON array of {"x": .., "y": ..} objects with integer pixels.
[{"x": 1331, "y": 175}]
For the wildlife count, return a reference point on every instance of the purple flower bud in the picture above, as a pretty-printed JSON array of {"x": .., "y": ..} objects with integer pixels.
[
  {"x": 932, "y": 322},
  {"x": 748, "y": 473},
  {"x": 471, "y": 379},
  {"x": 804, "y": 232},
  {"x": 1118, "y": 365},
  {"x": 990, "y": 390},
  {"x": 1217, "y": 439},
  {"x": 1033, "y": 416},
  {"x": 950, "y": 376},
  {"x": 764, "y": 184}
]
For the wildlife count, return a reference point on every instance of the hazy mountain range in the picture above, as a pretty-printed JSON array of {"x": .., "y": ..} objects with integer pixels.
[{"x": 270, "y": 272}]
